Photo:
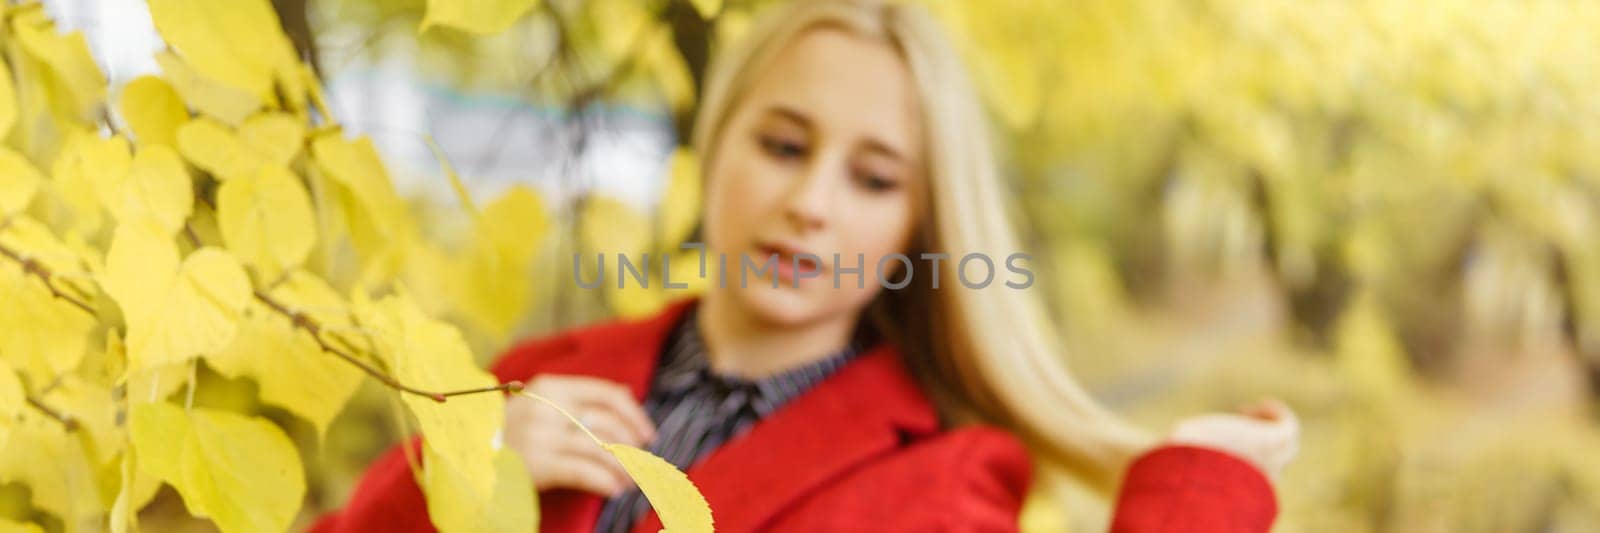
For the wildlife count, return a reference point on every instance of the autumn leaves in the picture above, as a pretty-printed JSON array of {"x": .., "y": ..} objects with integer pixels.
[{"x": 209, "y": 223}]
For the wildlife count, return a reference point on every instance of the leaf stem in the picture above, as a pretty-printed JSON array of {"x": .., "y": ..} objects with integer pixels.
[
  {"x": 309, "y": 325},
  {"x": 564, "y": 412}
]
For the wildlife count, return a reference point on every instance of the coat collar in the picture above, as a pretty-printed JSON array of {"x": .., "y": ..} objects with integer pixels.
[{"x": 866, "y": 408}]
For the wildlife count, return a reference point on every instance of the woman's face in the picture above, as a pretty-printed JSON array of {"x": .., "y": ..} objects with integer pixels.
[{"x": 822, "y": 155}]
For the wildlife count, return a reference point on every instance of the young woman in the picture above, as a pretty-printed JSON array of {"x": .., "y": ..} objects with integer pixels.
[{"x": 847, "y": 127}]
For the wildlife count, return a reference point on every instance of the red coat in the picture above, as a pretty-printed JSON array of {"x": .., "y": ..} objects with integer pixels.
[{"x": 862, "y": 451}]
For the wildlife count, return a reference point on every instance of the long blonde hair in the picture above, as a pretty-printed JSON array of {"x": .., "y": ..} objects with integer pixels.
[{"x": 984, "y": 355}]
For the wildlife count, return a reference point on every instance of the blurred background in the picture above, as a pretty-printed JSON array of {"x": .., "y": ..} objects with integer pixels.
[{"x": 1385, "y": 213}]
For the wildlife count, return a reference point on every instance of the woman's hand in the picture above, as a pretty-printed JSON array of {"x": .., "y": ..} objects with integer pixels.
[
  {"x": 556, "y": 452},
  {"x": 1266, "y": 434}
]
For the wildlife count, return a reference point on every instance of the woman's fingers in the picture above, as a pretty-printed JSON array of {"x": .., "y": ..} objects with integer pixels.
[
  {"x": 1285, "y": 432},
  {"x": 1279, "y": 423},
  {"x": 579, "y": 449},
  {"x": 608, "y": 427},
  {"x": 559, "y": 454},
  {"x": 1269, "y": 410},
  {"x": 584, "y": 472},
  {"x": 1266, "y": 433},
  {"x": 583, "y": 392}
]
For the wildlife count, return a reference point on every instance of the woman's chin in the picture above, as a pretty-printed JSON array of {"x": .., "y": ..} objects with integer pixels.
[{"x": 781, "y": 305}]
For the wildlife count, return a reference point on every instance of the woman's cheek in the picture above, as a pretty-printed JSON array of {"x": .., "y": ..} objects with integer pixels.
[
  {"x": 886, "y": 228},
  {"x": 735, "y": 206}
]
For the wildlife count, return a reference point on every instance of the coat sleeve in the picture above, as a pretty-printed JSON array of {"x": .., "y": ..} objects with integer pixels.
[
  {"x": 387, "y": 498},
  {"x": 987, "y": 479},
  {"x": 1193, "y": 489}
]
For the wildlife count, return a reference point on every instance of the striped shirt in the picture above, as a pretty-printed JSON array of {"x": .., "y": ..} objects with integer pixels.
[{"x": 695, "y": 410}]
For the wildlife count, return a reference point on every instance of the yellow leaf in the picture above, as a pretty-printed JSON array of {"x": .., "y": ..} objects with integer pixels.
[
  {"x": 11, "y": 397},
  {"x": 609, "y": 226},
  {"x": 173, "y": 312},
  {"x": 69, "y": 62},
  {"x": 238, "y": 44},
  {"x": 498, "y": 283},
  {"x": 87, "y": 167},
  {"x": 156, "y": 191},
  {"x": 1005, "y": 36},
  {"x": 288, "y": 364},
  {"x": 242, "y": 472},
  {"x": 431, "y": 355},
  {"x": 378, "y": 220},
  {"x": 10, "y": 526},
  {"x": 276, "y": 136},
  {"x": 676, "y": 500},
  {"x": 624, "y": 21},
  {"x": 357, "y": 166},
  {"x": 634, "y": 300},
  {"x": 152, "y": 110},
  {"x": 674, "y": 497},
  {"x": 680, "y": 202},
  {"x": 155, "y": 384},
  {"x": 669, "y": 70},
  {"x": 708, "y": 8},
  {"x": 209, "y": 97},
  {"x": 90, "y": 404},
  {"x": 214, "y": 148},
  {"x": 8, "y": 100},
  {"x": 48, "y": 109},
  {"x": 266, "y": 220},
  {"x": 44, "y": 336},
  {"x": 51, "y": 462},
  {"x": 1370, "y": 357},
  {"x": 264, "y": 139},
  {"x": 18, "y": 181},
  {"x": 314, "y": 91},
  {"x": 483, "y": 17},
  {"x": 729, "y": 27},
  {"x": 144, "y": 385},
  {"x": 611, "y": 229},
  {"x": 453, "y": 506},
  {"x": 124, "y": 512},
  {"x": 514, "y": 221},
  {"x": 436, "y": 278}
]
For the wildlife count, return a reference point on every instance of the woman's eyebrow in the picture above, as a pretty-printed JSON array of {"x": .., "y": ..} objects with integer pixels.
[
  {"x": 790, "y": 114},
  {"x": 882, "y": 148}
]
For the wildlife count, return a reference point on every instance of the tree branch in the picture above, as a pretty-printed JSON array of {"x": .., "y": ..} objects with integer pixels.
[
  {"x": 66, "y": 420},
  {"x": 33, "y": 267},
  {"x": 309, "y": 325}
]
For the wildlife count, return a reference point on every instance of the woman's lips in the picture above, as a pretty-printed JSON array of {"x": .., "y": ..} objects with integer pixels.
[{"x": 789, "y": 258}]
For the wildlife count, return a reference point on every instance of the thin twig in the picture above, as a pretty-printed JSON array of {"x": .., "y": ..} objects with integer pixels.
[
  {"x": 31, "y": 266},
  {"x": 194, "y": 238},
  {"x": 66, "y": 420},
  {"x": 309, "y": 325}
]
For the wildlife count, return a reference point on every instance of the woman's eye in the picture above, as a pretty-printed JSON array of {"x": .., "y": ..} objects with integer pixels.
[
  {"x": 876, "y": 183},
  {"x": 782, "y": 148}
]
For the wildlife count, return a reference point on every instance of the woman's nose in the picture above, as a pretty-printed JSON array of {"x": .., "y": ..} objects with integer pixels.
[{"x": 811, "y": 197}]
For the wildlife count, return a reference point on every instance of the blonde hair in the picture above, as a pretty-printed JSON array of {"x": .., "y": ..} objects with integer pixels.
[{"x": 984, "y": 355}]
